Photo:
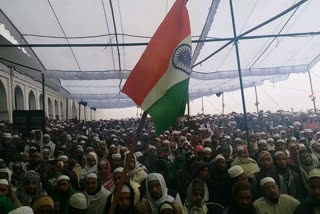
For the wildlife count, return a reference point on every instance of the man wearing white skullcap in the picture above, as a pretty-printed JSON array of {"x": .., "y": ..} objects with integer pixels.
[
  {"x": 236, "y": 173},
  {"x": 47, "y": 142},
  {"x": 207, "y": 155},
  {"x": 62, "y": 193},
  {"x": 155, "y": 196},
  {"x": 97, "y": 195},
  {"x": 312, "y": 202},
  {"x": 78, "y": 203},
  {"x": 22, "y": 210},
  {"x": 125, "y": 203},
  {"x": 272, "y": 201}
]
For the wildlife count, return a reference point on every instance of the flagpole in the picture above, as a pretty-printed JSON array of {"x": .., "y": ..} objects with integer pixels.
[
  {"x": 188, "y": 109},
  {"x": 313, "y": 98},
  {"x": 126, "y": 166},
  {"x": 257, "y": 103}
]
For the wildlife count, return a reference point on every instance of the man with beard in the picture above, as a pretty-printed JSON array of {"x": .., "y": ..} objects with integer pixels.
[
  {"x": 125, "y": 203},
  {"x": 290, "y": 180},
  {"x": 241, "y": 199},
  {"x": 312, "y": 204},
  {"x": 272, "y": 201}
]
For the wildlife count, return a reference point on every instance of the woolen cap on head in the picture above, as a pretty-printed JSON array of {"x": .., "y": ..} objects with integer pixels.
[
  {"x": 78, "y": 201},
  {"x": 235, "y": 171},
  {"x": 266, "y": 180},
  {"x": 315, "y": 173},
  {"x": 43, "y": 200}
]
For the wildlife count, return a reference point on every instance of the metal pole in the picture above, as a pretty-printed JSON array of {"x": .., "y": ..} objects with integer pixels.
[
  {"x": 202, "y": 105},
  {"x": 222, "y": 103},
  {"x": 188, "y": 109},
  {"x": 79, "y": 111},
  {"x": 240, "y": 75},
  {"x": 12, "y": 90},
  {"x": 257, "y": 103},
  {"x": 67, "y": 108},
  {"x": 43, "y": 98},
  {"x": 313, "y": 98},
  {"x": 84, "y": 113}
]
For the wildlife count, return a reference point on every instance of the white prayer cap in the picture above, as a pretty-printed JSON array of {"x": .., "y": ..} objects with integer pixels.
[
  {"x": 218, "y": 157},
  {"x": 279, "y": 153},
  {"x": 61, "y": 157},
  {"x": 166, "y": 142},
  {"x": 114, "y": 156},
  {"x": 151, "y": 147},
  {"x": 235, "y": 171},
  {"x": 280, "y": 141},
  {"x": 15, "y": 136},
  {"x": 138, "y": 154},
  {"x": 227, "y": 137},
  {"x": 112, "y": 145},
  {"x": 126, "y": 153},
  {"x": 78, "y": 201},
  {"x": 63, "y": 177},
  {"x": 270, "y": 140},
  {"x": 22, "y": 210},
  {"x": 297, "y": 123},
  {"x": 207, "y": 139},
  {"x": 207, "y": 149},
  {"x": 315, "y": 173},
  {"x": 276, "y": 136},
  {"x": 240, "y": 148},
  {"x": 119, "y": 169},
  {"x": 4, "y": 181},
  {"x": 302, "y": 146},
  {"x": 293, "y": 138},
  {"x": 262, "y": 141},
  {"x": 46, "y": 135},
  {"x": 266, "y": 180},
  {"x": 91, "y": 175},
  {"x": 238, "y": 139},
  {"x": 6, "y": 135},
  {"x": 308, "y": 130},
  {"x": 165, "y": 206},
  {"x": 125, "y": 188}
]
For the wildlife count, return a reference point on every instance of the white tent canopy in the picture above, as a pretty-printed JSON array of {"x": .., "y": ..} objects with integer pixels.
[{"x": 96, "y": 74}]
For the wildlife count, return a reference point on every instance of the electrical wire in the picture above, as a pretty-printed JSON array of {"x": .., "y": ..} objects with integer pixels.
[
  {"x": 271, "y": 42},
  {"x": 116, "y": 34},
  {"x": 121, "y": 25},
  {"x": 65, "y": 36},
  {"x": 108, "y": 28}
]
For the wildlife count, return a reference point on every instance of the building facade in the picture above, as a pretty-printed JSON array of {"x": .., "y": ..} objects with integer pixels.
[{"x": 21, "y": 92}]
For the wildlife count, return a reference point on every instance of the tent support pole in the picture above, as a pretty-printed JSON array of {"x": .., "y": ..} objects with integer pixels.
[
  {"x": 222, "y": 103},
  {"x": 240, "y": 75},
  {"x": 43, "y": 98},
  {"x": 257, "y": 103},
  {"x": 202, "y": 105},
  {"x": 311, "y": 87}
]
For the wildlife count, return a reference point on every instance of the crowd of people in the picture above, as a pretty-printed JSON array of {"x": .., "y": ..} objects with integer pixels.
[{"x": 205, "y": 164}]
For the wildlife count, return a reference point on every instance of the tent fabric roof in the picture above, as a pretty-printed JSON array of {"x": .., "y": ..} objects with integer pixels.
[{"x": 93, "y": 73}]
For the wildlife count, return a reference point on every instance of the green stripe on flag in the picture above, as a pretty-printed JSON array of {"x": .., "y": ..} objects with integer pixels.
[{"x": 170, "y": 106}]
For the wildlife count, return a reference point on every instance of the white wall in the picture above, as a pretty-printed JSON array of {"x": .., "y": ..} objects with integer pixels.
[{"x": 28, "y": 84}]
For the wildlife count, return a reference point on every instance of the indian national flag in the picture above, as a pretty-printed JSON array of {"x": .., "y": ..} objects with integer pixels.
[{"x": 159, "y": 82}]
